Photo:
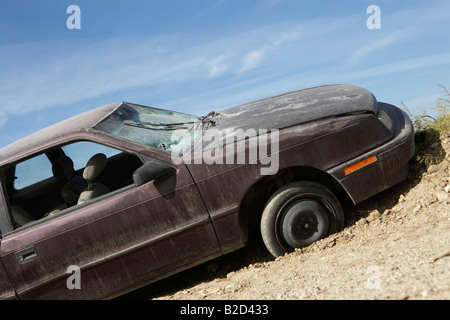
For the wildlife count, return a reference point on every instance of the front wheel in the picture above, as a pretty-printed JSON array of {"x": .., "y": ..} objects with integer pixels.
[{"x": 299, "y": 214}]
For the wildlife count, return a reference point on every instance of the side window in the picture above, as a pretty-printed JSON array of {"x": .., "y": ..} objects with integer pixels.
[
  {"x": 32, "y": 171},
  {"x": 81, "y": 152}
]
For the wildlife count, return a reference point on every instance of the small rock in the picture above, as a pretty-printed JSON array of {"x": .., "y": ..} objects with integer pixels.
[
  {"x": 447, "y": 188},
  {"x": 437, "y": 167},
  {"x": 375, "y": 214},
  {"x": 417, "y": 208},
  {"x": 392, "y": 268},
  {"x": 229, "y": 288},
  {"x": 441, "y": 196},
  {"x": 361, "y": 222},
  {"x": 331, "y": 243},
  {"x": 435, "y": 145},
  {"x": 402, "y": 198},
  {"x": 432, "y": 169}
]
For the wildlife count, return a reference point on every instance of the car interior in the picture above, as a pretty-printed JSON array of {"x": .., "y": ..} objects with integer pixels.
[{"x": 65, "y": 185}]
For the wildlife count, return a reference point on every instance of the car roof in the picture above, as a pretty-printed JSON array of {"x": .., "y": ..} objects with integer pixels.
[{"x": 67, "y": 128}]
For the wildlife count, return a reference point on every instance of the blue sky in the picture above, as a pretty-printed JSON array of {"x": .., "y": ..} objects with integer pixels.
[{"x": 200, "y": 55}]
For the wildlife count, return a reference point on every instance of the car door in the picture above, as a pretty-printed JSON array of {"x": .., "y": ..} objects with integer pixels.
[
  {"x": 113, "y": 243},
  {"x": 6, "y": 288}
]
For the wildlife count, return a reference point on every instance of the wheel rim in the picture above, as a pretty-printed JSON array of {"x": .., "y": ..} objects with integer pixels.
[{"x": 302, "y": 221}]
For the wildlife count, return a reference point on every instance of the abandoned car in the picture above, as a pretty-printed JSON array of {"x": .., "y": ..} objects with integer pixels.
[{"x": 126, "y": 195}]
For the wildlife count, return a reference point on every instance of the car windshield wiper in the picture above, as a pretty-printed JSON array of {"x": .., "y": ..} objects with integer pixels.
[
  {"x": 209, "y": 120},
  {"x": 158, "y": 126}
]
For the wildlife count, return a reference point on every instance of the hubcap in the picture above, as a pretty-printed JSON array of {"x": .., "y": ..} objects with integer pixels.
[{"x": 303, "y": 222}]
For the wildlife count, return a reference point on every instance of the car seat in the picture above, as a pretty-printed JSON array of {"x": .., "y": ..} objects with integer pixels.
[
  {"x": 64, "y": 172},
  {"x": 93, "y": 168}
]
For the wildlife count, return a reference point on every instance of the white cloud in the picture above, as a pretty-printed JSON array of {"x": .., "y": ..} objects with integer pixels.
[
  {"x": 422, "y": 103},
  {"x": 256, "y": 57},
  {"x": 401, "y": 66},
  {"x": 252, "y": 59},
  {"x": 49, "y": 74},
  {"x": 362, "y": 53},
  {"x": 218, "y": 66}
]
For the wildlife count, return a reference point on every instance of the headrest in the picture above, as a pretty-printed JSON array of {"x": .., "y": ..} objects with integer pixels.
[
  {"x": 62, "y": 168},
  {"x": 94, "y": 166}
]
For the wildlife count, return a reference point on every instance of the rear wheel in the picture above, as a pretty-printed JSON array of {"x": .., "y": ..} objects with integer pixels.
[{"x": 299, "y": 214}]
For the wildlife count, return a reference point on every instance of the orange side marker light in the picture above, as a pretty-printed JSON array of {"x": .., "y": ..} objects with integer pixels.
[{"x": 360, "y": 164}]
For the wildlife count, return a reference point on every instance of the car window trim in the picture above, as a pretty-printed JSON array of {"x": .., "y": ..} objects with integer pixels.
[{"x": 6, "y": 225}]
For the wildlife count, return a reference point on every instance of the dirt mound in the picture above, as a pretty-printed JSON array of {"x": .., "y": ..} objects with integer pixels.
[{"x": 396, "y": 245}]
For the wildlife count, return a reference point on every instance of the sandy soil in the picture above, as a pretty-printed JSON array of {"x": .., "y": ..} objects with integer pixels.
[{"x": 396, "y": 245}]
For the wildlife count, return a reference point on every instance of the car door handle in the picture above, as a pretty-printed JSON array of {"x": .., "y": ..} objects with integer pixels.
[{"x": 26, "y": 254}]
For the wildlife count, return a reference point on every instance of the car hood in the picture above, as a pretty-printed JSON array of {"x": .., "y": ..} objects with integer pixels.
[{"x": 298, "y": 107}]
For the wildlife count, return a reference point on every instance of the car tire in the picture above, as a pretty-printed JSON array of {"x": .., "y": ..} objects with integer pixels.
[{"x": 299, "y": 214}]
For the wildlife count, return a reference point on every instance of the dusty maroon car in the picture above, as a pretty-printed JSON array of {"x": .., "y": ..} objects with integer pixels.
[{"x": 108, "y": 201}]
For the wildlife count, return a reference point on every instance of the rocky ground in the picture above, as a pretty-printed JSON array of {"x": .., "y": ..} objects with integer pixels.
[{"x": 396, "y": 245}]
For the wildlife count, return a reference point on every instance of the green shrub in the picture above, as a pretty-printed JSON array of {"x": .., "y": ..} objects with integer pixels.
[{"x": 428, "y": 132}]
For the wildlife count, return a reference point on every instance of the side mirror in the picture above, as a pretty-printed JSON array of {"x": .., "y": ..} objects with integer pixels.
[{"x": 151, "y": 171}]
